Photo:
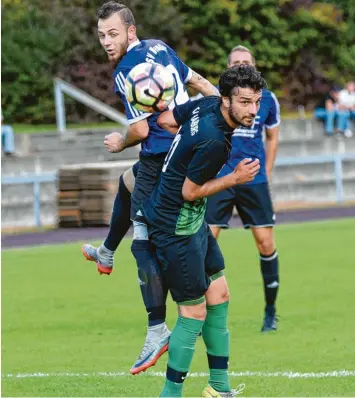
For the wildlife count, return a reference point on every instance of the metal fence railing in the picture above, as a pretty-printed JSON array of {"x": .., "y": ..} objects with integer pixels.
[
  {"x": 36, "y": 180},
  {"x": 61, "y": 87},
  {"x": 337, "y": 159}
]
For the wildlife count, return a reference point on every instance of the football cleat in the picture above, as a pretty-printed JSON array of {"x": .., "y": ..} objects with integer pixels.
[
  {"x": 210, "y": 392},
  {"x": 104, "y": 266},
  {"x": 270, "y": 322},
  {"x": 152, "y": 350}
]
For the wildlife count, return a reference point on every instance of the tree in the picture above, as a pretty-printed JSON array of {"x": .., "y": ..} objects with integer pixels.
[
  {"x": 301, "y": 46},
  {"x": 88, "y": 68},
  {"x": 41, "y": 40},
  {"x": 298, "y": 44},
  {"x": 327, "y": 55},
  {"x": 33, "y": 46}
]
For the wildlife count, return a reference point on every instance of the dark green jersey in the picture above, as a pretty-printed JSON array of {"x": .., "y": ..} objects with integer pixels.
[{"x": 199, "y": 151}]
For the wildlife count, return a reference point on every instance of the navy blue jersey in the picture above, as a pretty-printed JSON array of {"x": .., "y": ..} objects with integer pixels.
[
  {"x": 199, "y": 150},
  {"x": 154, "y": 51},
  {"x": 247, "y": 142}
]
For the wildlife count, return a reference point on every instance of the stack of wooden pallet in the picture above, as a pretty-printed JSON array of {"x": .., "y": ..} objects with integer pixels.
[
  {"x": 87, "y": 192},
  {"x": 98, "y": 184},
  {"x": 68, "y": 196}
]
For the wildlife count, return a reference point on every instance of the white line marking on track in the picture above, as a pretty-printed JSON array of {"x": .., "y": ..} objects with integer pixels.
[{"x": 288, "y": 374}]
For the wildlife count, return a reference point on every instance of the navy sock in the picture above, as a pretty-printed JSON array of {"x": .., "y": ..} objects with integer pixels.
[
  {"x": 151, "y": 281},
  {"x": 270, "y": 271},
  {"x": 120, "y": 219}
]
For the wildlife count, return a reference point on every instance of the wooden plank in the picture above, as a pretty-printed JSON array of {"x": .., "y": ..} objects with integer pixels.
[{"x": 86, "y": 192}]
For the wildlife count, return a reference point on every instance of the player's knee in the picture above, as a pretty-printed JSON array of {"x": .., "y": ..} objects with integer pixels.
[
  {"x": 197, "y": 311},
  {"x": 224, "y": 295},
  {"x": 123, "y": 195},
  {"x": 140, "y": 233},
  {"x": 220, "y": 297},
  {"x": 128, "y": 179},
  {"x": 140, "y": 250},
  {"x": 215, "y": 231},
  {"x": 218, "y": 292},
  {"x": 266, "y": 246}
]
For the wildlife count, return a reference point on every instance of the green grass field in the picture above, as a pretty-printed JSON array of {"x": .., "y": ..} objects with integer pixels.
[{"x": 60, "y": 318}]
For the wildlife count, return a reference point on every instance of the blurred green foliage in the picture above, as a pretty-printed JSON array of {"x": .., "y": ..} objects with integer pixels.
[{"x": 301, "y": 46}]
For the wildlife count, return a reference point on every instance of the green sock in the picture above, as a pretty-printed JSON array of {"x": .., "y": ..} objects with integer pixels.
[
  {"x": 216, "y": 337},
  {"x": 171, "y": 389},
  {"x": 181, "y": 350}
]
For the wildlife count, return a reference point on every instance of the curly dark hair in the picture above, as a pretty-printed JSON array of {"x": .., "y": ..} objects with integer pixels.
[
  {"x": 240, "y": 76},
  {"x": 111, "y": 7}
]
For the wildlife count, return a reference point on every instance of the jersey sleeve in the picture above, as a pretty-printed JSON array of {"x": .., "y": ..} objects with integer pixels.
[
  {"x": 208, "y": 159},
  {"x": 184, "y": 71},
  {"x": 273, "y": 119},
  {"x": 182, "y": 112},
  {"x": 133, "y": 115}
]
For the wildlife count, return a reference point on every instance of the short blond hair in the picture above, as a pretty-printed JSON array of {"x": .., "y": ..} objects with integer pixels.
[{"x": 241, "y": 48}]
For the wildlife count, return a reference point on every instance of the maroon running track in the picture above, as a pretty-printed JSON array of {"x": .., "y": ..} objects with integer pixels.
[{"x": 65, "y": 235}]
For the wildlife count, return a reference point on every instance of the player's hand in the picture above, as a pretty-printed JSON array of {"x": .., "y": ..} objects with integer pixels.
[
  {"x": 114, "y": 142},
  {"x": 246, "y": 170}
]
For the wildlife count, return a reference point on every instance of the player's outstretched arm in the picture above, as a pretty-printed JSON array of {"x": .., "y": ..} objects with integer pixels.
[
  {"x": 272, "y": 143},
  {"x": 166, "y": 121},
  {"x": 244, "y": 172},
  {"x": 136, "y": 133},
  {"x": 202, "y": 85}
]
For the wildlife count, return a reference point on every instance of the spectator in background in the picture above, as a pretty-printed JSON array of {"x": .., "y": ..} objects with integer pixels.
[
  {"x": 327, "y": 110},
  {"x": 346, "y": 108},
  {"x": 7, "y": 138}
]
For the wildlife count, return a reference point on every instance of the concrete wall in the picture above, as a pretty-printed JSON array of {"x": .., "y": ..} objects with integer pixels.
[{"x": 47, "y": 152}]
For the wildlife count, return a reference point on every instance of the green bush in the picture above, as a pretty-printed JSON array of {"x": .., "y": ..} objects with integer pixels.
[
  {"x": 34, "y": 45},
  {"x": 301, "y": 46}
]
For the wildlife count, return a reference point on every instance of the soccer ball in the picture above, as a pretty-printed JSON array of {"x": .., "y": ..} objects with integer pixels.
[{"x": 148, "y": 86}]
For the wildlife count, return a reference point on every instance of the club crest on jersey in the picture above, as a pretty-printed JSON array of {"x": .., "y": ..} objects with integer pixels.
[
  {"x": 194, "y": 121},
  {"x": 248, "y": 132}
]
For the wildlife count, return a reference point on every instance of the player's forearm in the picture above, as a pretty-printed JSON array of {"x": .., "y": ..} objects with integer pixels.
[
  {"x": 272, "y": 144},
  {"x": 130, "y": 140},
  {"x": 245, "y": 172},
  {"x": 209, "y": 188},
  {"x": 167, "y": 122},
  {"x": 134, "y": 136},
  {"x": 202, "y": 85},
  {"x": 207, "y": 88}
]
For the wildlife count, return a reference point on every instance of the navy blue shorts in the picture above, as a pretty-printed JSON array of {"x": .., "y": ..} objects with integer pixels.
[
  {"x": 148, "y": 174},
  {"x": 135, "y": 169},
  {"x": 253, "y": 203},
  {"x": 188, "y": 262}
]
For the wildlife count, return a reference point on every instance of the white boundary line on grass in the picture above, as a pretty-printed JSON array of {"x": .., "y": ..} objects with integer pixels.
[{"x": 289, "y": 375}]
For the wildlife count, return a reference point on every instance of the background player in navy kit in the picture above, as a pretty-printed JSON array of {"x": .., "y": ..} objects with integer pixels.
[
  {"x": 117, "y": 34},
  {"x": 190, "y": 257},
  {"x": 253, "y": 200}
]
